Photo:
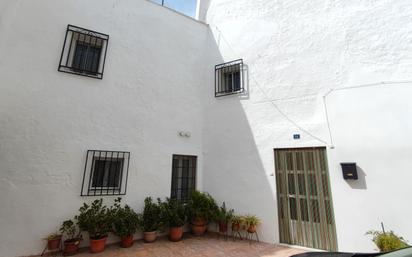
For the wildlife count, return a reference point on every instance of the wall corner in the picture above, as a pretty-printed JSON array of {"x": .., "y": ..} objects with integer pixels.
[{"x": 202, "y": 7}]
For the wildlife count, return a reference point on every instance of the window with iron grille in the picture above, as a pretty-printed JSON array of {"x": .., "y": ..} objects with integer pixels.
[
  {"x": 183, "y": 177},
  {"x": 229, "y": 78},
  {"x": 105, "y": 173},
  {"x": 84, "y": 52}
]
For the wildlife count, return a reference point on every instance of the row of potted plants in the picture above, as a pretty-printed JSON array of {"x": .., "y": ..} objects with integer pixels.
[
  {"x": 224, "y": 217},
  {"x": 99, "y": 220}
]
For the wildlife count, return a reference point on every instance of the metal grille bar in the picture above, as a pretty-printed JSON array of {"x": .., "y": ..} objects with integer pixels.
[
  {"x": 105, "y": 173},
  {"x": 183, "y": 177},
  {"x": 229, "y": 78},
  {"x": 85, "y": 55}
]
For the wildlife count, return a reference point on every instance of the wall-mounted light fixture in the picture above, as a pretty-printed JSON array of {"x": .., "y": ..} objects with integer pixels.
[
  {"x": 349, "y": 170},
  {"x": 185, "y": 134}
]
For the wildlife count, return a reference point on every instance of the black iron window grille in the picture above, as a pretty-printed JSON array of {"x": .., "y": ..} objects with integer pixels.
[
  {"x": 229, "y": 78},
  {"x": 84, "y": 52},
  {"x": 105, "y": 173},
  {"x": 183, "y": 177}
]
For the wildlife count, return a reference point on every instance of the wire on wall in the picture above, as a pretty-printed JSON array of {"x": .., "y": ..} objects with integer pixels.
[
  {"x": 382, "y": 83},
  {"x": 272, "y": 101}
]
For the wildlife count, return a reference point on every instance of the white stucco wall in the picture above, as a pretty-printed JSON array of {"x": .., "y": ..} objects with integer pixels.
[
  {"x": 48, "y": 119},
  {"x": 201, "y": 9},
  {"x": 295, "y": 53},
  {"x": 158, "y": 81}
]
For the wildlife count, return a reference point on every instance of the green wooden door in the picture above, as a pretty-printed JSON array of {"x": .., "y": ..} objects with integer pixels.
[{"x": 304, "y": 198}]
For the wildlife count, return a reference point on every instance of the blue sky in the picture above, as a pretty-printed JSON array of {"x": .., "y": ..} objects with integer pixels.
[{"x": 187, "y": 7}]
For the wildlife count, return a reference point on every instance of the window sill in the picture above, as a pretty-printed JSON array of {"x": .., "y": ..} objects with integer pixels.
[{"x": 219, "y": 94}]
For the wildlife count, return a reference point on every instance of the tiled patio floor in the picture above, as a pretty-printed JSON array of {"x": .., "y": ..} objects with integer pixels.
[{"x": 206, "y": 246}]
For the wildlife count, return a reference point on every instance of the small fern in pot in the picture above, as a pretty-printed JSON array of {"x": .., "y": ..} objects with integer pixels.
[
  {"x": 222, "y": 217},
  {"x": 237, "y": 222},
  {"x": 251, "y": 222},
  {"x": 53, "y": 241},
  {"x": 125, "y": 222}
]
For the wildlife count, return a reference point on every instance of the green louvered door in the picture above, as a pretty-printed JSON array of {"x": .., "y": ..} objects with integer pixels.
[{"x": 304, "y": 199}]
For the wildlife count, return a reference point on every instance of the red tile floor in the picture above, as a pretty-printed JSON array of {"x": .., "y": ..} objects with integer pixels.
[{"x": 205, "y": 246}]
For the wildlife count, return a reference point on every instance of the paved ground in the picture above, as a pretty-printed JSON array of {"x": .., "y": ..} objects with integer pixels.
[{"x": 206, "y": 246}]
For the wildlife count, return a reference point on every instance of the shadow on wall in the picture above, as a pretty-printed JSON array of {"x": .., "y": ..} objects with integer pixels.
[
  {"x": 233, "y": 169},
  {"x": 360, "y": 183}
]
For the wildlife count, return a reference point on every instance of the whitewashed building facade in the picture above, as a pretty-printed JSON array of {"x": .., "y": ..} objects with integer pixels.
[{"x": 318, "y": 84}]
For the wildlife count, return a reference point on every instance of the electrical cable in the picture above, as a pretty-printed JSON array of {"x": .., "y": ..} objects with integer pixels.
[{"x": 272, "y": 101}]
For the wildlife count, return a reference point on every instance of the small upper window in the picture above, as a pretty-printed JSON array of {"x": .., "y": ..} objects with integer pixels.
[
  {"x": 84, "y": 52},
  {"x": 86, "y": 58},
  {"x": 229, "y": 78},
  {"x": 105, "y": 173}
]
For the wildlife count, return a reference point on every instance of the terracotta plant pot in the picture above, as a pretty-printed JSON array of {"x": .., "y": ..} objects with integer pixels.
[
  {"x": 175, "y": 234},
  {"x": 97, "y": 245},
  {"x": 198, "y": 226},
  {"x": 251, "y": 229},
  {"x": 222, "y": 227},
  {"x": 149, "y": 237},
  {"x": 54, "y": 244},
  {"x": 235, "y": 226},
  {"x": 71, "y": 247},
  {"x": 126, "y": 241}
]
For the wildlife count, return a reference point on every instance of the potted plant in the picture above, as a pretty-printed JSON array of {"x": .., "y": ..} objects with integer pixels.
[
  {"x": 96, "y": 220},
  {"x": 149, "y": 220},
  {"x": 387, "y": 241},
  {"x": 222, "y": 217},
  {"x": 173, "y": 213},
  {"x": 251, "y": 222},
  {"x": 237, "y": 222},
  {"x": 53, "y": 241},
  {"x": 201, "y": 208},
  {"x": 71, "y": 244},
  {"x": 125, "y": 222}
]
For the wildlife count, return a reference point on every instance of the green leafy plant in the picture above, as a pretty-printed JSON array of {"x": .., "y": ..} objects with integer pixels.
[
  {"x": 150, "y": 219},
  {"x": 223, "y": 214},
  {"x": 95, "y": 219},
  {"x": 251, "y": 220},
  {"x": 387, "y": 241},
  {"x": 237, "y": 222},
  {"x": 173, "y": 212},
  {"x": 125, "y": 219},
  {"x": 69, "y": 229},
  {"x": 201, "y": 206},
  {"x": 237, "y": 219}
]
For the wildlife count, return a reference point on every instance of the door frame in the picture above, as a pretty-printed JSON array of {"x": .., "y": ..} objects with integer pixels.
[{"x": 326, "y": 211}]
